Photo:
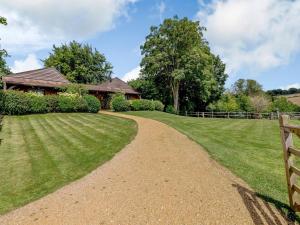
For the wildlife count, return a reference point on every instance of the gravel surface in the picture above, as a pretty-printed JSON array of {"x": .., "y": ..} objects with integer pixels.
[{"x": 161, "y": 177}]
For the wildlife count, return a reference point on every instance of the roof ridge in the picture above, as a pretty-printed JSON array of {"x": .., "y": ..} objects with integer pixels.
[{"x": 45, "y": 68}]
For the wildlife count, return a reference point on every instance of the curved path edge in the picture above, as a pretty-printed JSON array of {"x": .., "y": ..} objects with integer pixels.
[{"x": 161, "y": 177}]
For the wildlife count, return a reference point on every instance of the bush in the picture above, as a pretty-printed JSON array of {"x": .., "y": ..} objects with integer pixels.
[
  {"x": 71, "y": 103},
  {"x": 119, "y": 103},
  {"x": 1, "y": 101},
  {"x": 52, "y": 103},
  {"x": 36, "y": 103},
  {"x": 142, "y": 105},
  {"x": 93, "y": 103},
  {"x": 158, "y": 105},
  {"x": 15, "y": 103},
  {"x": 170, "y": 109},
  {"x": 283, "y": 105}
]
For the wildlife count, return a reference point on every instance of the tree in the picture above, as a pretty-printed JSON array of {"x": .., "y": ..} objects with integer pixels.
[
  {"x": 80, "y": 63},
  {"x": 4, "y": 69},
  {"x": 260, "y": 103},
  {"x": 147, "y": 88},
  {"x": 283, "y": 105},
  {"x": 177, "y": 59},
  {"x": 227, "y": 103},
  {"x": 247, "y": 87}
]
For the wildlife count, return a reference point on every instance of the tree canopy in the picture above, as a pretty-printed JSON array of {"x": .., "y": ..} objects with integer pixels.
[
  {"x": 4, "y": 69},
  {"x": 80, "y": 63},
  {"x": 178, "y": 61},
  {"x": 247, "y": 87}
]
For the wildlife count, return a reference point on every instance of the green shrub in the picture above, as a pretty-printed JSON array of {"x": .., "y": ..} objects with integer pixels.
[
  {"x": 1, "y": 101},
  {"x": 142, "y": 105},
  {"x": 52, "y": 103},
  {"x": 119, "y": 103},
  {"x": 16, "y": 103},
  {"x": 36, "y": 103},
  {"x": 158, "y": 105},
  {"x": 93, "y": 103},
  {"x": 170, "y": 109},
  {"x": 283, "y": 105},
  {"x": 135, "y": 105},
  {"x": 71, "y": 103}
]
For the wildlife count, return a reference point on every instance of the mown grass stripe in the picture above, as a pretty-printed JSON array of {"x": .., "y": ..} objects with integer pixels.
[{"x": 43, "y": 152}]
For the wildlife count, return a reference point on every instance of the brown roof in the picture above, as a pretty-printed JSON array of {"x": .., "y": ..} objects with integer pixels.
[
  {"x": 47, "y": 77},
  {"x": 114, "y": 85},
  {"x": 50, "y": 77}
]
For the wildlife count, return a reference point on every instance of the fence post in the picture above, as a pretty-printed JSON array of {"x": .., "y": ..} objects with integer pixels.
[
  {"x": 287, "y": 142},
  {"x": 212, "y": 114},
  {"x": 185, "y": 113},
  {"x": 202, "y": 114},
  {"x": 197, "y": 114},
  {"x": 227, "y": 115}
]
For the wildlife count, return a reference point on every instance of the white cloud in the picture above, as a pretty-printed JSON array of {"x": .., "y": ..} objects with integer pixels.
[
  {"x": 133, "y": 74},
  {"x": 254, "y": 35},
  {"x": 161, "y": 8},
  {"x": 295, "y": 85},
  {"x": 29, "y": 63},
  {"x": 39, "y": 24}
]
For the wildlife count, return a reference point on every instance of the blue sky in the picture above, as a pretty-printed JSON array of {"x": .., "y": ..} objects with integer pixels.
[{"x": 257, "y": 39}]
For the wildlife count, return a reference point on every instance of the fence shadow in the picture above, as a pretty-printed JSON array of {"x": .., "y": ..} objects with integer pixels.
[{"x": 262, "y": 210}]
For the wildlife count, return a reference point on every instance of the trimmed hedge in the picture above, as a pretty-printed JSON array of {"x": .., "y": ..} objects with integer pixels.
[
  {"x": 142, "y": 105},
  {"x": 93, "y": 104},
  {"x": 158, "y": 105},
  {"x": 119, "y": 103},
  {"x": 52, "y": 103},
  {"x": 20, "y": 103}
]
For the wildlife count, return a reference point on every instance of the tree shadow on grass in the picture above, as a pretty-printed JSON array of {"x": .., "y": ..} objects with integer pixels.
[{"x": 262, "y": 210}]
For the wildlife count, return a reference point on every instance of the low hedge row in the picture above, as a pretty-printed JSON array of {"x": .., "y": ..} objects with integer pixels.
[
  {"x": 119, "y": 104},
  {"x": 20, "y": 103}
]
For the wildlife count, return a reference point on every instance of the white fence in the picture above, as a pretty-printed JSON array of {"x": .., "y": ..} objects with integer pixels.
[{"x": 240, "y": 115}]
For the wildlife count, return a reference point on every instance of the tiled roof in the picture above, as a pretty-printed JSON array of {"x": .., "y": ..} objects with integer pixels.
[
  {"x": 114, "y": 85},
  {"x": 47, "y": 77},
  {"x": 50, "y": 77}
]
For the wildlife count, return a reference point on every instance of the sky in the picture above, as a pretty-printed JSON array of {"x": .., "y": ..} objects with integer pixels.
[{"x": 257, "y": 39}]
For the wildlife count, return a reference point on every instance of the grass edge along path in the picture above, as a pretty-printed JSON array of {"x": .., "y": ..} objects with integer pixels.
[
  {"x": 43, "y": 152},
  {"x": 251, "y": 149}
]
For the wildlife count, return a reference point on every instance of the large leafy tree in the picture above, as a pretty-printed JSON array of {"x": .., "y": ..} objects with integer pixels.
[
  {"x": 247, "y": 87},
  {"x": 80, "y": 63},
  {"x": 177, "y": 59},
  {"x": 4, "y": 69}
]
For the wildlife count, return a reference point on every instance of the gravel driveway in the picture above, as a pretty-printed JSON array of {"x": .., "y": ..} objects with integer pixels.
[{"x": 161, "y": 177}]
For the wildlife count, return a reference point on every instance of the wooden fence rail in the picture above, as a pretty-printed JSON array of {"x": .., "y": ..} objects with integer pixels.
[
  {"x": 289, "y": 154},
  {"x": 1, "y": 124},
  {"x": 239, "y": 115}
]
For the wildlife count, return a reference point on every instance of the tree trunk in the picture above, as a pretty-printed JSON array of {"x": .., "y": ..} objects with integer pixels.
[{"x": 175, "y": 90}]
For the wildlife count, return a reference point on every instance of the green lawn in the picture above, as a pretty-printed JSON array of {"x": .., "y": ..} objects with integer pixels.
[
  {"x": 40, "y": 153},
  {"x": 249, "y": 148}
]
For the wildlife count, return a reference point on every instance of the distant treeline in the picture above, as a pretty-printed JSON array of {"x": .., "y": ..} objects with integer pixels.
[{"x": 283, "y": 92}]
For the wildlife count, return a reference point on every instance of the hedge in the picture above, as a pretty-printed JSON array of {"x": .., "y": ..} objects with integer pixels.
[
  {"x": 20, "y": 103},
  {"x": 93, "y": 104},
  {"x": 119, "y": 104}
]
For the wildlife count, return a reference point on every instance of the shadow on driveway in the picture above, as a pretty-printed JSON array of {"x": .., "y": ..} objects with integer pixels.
[{"x": 261, "y": 208}]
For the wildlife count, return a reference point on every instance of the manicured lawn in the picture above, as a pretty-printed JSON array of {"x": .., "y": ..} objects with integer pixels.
[
  {"x": 40, "y": 153},
  {"x": 249, "y": 148}
]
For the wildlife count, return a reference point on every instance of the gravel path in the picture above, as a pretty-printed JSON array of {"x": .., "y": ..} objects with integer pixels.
[{"x": 162, "y": 177}]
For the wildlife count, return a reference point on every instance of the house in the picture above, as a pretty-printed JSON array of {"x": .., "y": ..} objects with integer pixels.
[{"x": 49, "y": 81}]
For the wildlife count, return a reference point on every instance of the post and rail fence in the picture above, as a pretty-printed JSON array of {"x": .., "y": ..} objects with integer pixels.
[
  {"x": 1, "y": 124},
  {"x": 239, "y": 115},
  {"x": 289, "y": 154}
]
